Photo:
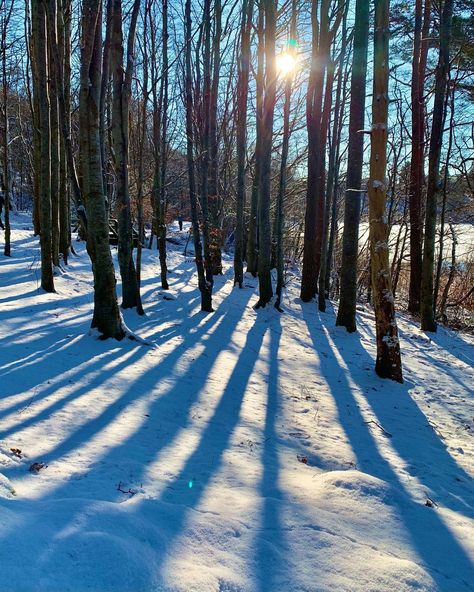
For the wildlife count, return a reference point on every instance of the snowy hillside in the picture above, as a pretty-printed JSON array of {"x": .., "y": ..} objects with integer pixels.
[{"x": 242, "y": 451}]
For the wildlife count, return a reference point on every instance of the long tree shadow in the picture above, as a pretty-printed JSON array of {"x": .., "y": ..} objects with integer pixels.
[
  {"x": 272, "y": 547},
  {"x": 173, "y": 405},
  {"x": 207, "y": 458},
  {"x": 437, "y": 548}
]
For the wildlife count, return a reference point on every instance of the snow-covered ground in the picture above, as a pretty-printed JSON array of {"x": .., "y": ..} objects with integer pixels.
[{"x": 242, "y": 451}]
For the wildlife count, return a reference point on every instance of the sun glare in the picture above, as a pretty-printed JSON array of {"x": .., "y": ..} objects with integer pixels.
[{"x": 286, "y": 64}]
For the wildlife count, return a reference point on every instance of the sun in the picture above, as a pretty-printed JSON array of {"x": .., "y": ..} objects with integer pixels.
[{"x": 286, "y": 63}]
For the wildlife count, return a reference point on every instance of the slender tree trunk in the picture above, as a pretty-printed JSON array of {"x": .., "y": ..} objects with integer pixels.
[
  {"x": 107, "y": 319},
  {"x": 265, "y": 244},
  {"x": 120, "y": 136},
  {"x": 5, "y": 139},
  {"x": 439, "y": 265},
  {"x": 205, "y": 156},
  {"x": 54, "y": 127},
  {"x": 161, "y": 237},
  {"x": 64, "y": 41},
  {"x": 428, "y": 322},
  {"x": 388, "y": 364},
  {"x": 322, "y": 186},
  {"x": 420, "y": 48},
  {"x": 40, "y": 44},
  {"x": 204, "y": 286},
  {"x": 252, "y": 238},
  {"x": 241, "y": 133},
  {"x": 215, "y": 230},
  {"x": 291, "y": 49},
  {"x": 346, "y": 314}
]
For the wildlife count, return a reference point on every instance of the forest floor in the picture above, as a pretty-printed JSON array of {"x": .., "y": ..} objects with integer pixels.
[{"x": 242, "y": 451}]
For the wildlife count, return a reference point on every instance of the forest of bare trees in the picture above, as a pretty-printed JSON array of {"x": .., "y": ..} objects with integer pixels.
[{"x": 334, "y": 135}]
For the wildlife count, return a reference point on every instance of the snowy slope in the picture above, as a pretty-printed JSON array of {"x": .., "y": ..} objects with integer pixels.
[{"x": 242, "y": 451}]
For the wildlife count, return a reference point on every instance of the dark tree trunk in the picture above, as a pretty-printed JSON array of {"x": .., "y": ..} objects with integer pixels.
[
  {"x": 205, "y": 287},
  {"x": 107, "y": 319},
  {"x": 122, "y": 79},
  {"x": 428, "y": 322},
  {"x": 346, "y": 314},
  {"x": 241, "y": 133},
  {"x": 291, "y": 49},
  {"x": 40, "y": 45},
  {"x": 388, "y": 364},
  {"x": 252, "y": 238},
  {"x": 420, "y": 47},
  {"x": 265, "y": 242}
]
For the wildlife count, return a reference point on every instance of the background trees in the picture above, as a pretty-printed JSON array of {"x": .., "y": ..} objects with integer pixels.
[{"x": 253, "y": 130}]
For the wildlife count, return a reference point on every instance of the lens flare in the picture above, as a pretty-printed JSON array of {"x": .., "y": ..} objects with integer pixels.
[{"x": 286, "y": 64}]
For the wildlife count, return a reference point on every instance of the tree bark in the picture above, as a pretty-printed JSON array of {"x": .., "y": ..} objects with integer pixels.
[
  {"x": 252, "y": 238},
  {"x": 346, "y": 314},
  {"x": 40, "y": 50},
  {"x": 265, "y": 242},
  {"x": 280, "y": 221},
  {"x": 420, "y": 48},
  {"x": 241, "y": 133},
  {"x": 122, "y": 79},
  {"x": 106, "y": 319},
  {"x": 388, "y": 364},
  {"x": 428, "y": 322},
  {"x": 205, "y": 287}
]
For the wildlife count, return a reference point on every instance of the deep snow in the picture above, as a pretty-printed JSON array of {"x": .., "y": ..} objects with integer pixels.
[{"x": 242, "y": 451}]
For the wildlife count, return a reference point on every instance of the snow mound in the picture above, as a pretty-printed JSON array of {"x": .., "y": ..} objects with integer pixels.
[{"x": 354, "y": 483}]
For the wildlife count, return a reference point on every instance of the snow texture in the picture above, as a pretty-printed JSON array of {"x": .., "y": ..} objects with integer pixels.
[{"x": 246, "y": 452}]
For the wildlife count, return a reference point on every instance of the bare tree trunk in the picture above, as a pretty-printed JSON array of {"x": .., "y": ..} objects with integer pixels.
[
  {"x": 161, "y": 237},
  {"x": 107, "y": 319},
  {"x": 346, "y": 314},
  {"x": 64, "y": 41},
  {"x": 322, "y": 186},
  {"x": 205, "y": 157},
  {"x": 204, "y": 286},
  {"x": 420, "y": 48},
  {"x": 265, "y": 242},
  {"x": 388, "y": 364},
  {"x": 40, "y": 45},
  {"x": 334, "y": 156},
  {"x": 122, "y": 79},
  {"x": 439, "y": 265},
  {"x": 241, "y": 133},
  {"x": 54, "y": 127},
  {"x": 291, "y": 49},
  {"x": 215, "y": 230},
  {"x": 5, "y": 139},
  {"x": 428, "y": 322},
  {"x": 252, "y": 239}
]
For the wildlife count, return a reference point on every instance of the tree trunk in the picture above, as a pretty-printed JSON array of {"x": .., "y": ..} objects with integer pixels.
[
  {"x": 428, "y": 322},
  {"x": 265, "y": 242},
  {"x": 388, "y": 364},
  {"x": 40, "y": 45},
  {"x": 107, "y": 319},
  {"x": 204, "y": 286},
  {"x": 291, "y": 49},
  {"x": 252, "y": 238},
  {"x": 346, "y": 314},
  {"x": 241, "y": 133},
  {"x": 120, "y": 137},
  {"x": 161, "y": 237},
  {"x": 420, "y": 48},
  {"x": 215, "y": 228}
]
